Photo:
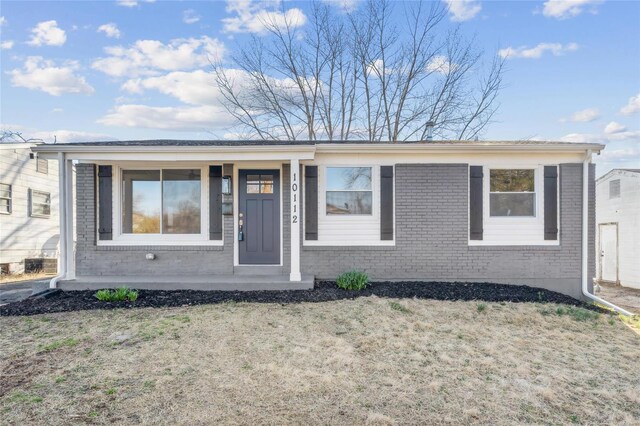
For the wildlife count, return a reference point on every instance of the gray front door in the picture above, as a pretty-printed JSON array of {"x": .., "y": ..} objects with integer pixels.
[{"x": 260, "y": 212}]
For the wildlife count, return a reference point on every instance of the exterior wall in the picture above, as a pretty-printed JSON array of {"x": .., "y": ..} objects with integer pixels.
[
  {"x": 93, "y": 260},
  {"x": 23, "y": 236},
  {"x": 432, "y": 237},
  {"x": 625, "y": 211}
]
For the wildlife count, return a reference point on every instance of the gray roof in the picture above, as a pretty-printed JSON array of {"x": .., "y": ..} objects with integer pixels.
[
  {"x": 630, "y": 170},
  {"x": 177, "y": 143}
]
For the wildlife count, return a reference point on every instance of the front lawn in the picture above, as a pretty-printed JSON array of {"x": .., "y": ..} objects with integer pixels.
[{"x": 370, "y": 360}]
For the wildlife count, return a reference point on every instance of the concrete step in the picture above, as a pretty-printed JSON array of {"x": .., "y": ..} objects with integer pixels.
[
  {"x": 218, "y": 282},
  {"x": 258, "y": 270}
]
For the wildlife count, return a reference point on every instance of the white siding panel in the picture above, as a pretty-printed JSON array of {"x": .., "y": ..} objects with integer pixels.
[{"x": 23, "y": 236}]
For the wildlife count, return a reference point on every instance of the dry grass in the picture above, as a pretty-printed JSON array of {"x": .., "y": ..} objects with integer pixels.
[
  {"x": 367, "y": 361},
  {"x": 12, "y": 278}
]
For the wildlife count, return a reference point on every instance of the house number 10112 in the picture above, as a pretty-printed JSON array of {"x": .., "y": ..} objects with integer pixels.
[{"x": 294, "y": 191}]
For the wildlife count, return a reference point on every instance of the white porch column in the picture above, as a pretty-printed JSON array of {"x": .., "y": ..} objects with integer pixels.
[
  {"x": 69, "y": 215},
  {"x": 295, "y": 220}
]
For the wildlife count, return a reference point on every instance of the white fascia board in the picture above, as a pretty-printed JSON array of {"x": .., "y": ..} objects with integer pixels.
[{"x": 451, "y": 148}]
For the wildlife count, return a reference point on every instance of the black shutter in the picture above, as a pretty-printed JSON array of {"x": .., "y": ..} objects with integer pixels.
[
  {"x": 105, "y": 203},
  {"x": 215, "y": 202},
  {"x": 550, "y": 202},
  {"x": 386, "y": 202},
  {"x": 311, "y": 202},
  {"x": 475, "y": 202}
]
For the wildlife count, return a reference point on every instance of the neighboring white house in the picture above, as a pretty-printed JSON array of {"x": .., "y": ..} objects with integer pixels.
[
  {"x": 29, "y": 223},
  {"x": 618, "y": 227}
]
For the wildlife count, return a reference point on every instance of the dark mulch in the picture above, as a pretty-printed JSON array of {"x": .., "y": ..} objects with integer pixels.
[{"x": 324, "y": 291}]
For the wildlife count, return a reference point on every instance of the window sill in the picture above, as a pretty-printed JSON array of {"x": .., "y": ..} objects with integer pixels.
[
  {"x": 40, "y": 216},
  {"x": 157, "y": 248},
  {"x": 338, "y": 246},
  {"x": 160, "y": 243},
  {"x": 525, "y": 246}
]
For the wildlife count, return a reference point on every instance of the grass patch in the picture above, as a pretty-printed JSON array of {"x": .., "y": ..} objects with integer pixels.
[
  {"x": 23, "y": 397},
  {"x": 481, "y": 307},
  {"x": 59, "y": 344},
  {"x": 398, "y": 307},
  {"x": 118, "y": 295},
  {"x": 353, "y": 280}
]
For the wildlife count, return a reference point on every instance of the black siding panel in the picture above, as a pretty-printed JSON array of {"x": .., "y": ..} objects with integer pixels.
[
  {"x": 311, "y": 202},
  {"x": 105, "y": 203},
  {"x": 475, "y": 202},
  {"x": 550, "y": 202},
  {"x": 215, "y": 202},
  {"x": 386, "y": 202}
]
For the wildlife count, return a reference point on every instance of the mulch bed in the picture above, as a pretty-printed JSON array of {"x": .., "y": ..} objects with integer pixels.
[{"x": 324, "y": 291}]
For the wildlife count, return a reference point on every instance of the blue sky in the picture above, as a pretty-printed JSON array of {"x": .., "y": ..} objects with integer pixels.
[{"x": 129, "y": 69}]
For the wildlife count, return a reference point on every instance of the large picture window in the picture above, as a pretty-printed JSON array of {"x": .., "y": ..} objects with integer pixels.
[
  {"x": 349, "y": 191},
  {"x": 166, "y": 201},
  {"x": 512, "y": 192}
]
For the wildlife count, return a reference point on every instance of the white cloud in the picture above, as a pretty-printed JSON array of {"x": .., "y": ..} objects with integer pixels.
[
  {"x": 167, "y": 118},
  {"x": 149, "y": 57},
  {"x": 604, "y": 138},
  {"x": 110, "y": 30},
  {"x": 133, "y": 3},
  {"x": 620, "y": 155},
  {"x": 463, "y": 10},
  {"x": 190, "y": 16},
  {"x": 47, "y": 33},
  {"x": 584, "y": 116},
  {"x": 556, "y": 49},
  {"x": 40, "y": 74},
  {"x": 3, "y": 21},
  {"x": 6, "y": 44},
  {"x": 614, "y": 127},
  {"x": 440, "y": 64},
  {"x": 344, "y": 5},
  {"x": 256, "y": 17},
  {"x": 70, "y": 136},
  {"x": 196, "y": 88},
  {"x": 563, "y": 9},
  {"x": 57, "y": 110},
  {"x": 632, "y": 106}
]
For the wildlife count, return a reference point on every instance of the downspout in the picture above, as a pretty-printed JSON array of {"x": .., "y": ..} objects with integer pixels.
[
  {"x": 585, "y": 239},
  {"x": 62, "y": 213}
]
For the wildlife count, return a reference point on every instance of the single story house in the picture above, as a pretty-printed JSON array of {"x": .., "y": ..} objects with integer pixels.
[
  {"x": 279, "y": 214},
  {"x": 618, "y": 232},
  {"x": 29, "y": 223}
]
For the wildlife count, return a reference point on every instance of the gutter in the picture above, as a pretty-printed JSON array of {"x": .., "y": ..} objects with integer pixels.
[
  {"x": 62, "y": 206},
  {"x": 585, "y": 239}
]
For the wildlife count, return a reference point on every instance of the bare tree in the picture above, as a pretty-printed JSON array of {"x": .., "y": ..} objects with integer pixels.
[
  {"x": 362, "y": 76},
  {"x": 9, "y": 136}
]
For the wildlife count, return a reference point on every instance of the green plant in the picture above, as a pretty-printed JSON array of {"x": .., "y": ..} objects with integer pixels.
[
  {"x": 118, "y": 295},
  {"x": 352, "y": 280},
  {"x": 60, "y": 343},
  {"x": 398, "y": 307},
  {"x": 481, "y": 307}
]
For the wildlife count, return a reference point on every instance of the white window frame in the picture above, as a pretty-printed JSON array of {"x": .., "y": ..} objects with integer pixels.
[
  {"x": 9, "y": 199},
  {"x": 350, "y": 218},
  {"x": 31, "y": 203},
  {"x": 371, "y": 190},
  {"x": 123, "y": 239},
  {"x": 535, "y": 190},
  {"x": 524, "y": 221}
]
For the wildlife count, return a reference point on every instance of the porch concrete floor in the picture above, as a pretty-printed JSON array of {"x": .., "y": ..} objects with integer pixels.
[
  {"x": 197, "y": 282},
  {"x": 625, "y": 297}
]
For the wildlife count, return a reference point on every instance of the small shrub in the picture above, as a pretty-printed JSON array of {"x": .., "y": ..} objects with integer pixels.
[
  {"x": 118, "y": 295},
  {"x": 353, "y": 280},
  {"x": 481, "y": 307}
]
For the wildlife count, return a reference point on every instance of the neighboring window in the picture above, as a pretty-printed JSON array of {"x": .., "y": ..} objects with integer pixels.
[
  {"x": 349, "y": 190},
  {"x": 5, "y": 198},
  {"x": 40, "y": 203},
  {"x": 614, "y": 188},
  {"x": 512, "y": 192},
  {"x": 161, "y": 201},
  {"x": 259, "y": 184},
  {"x": 42, "y": 166}
]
